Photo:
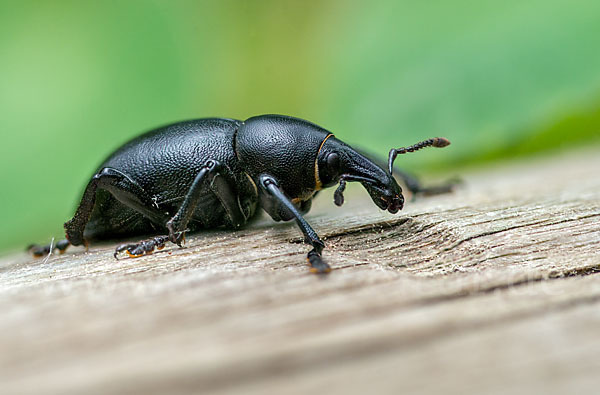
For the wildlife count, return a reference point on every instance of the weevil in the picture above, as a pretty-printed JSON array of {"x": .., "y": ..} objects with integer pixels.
[{"x": 218, "y": 172}]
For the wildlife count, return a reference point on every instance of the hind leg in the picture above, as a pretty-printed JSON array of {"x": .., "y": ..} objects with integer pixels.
[{"x": 124, "y": 189}]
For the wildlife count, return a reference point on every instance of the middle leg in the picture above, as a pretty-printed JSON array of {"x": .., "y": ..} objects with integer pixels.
[{"x": 210, "y": 174}]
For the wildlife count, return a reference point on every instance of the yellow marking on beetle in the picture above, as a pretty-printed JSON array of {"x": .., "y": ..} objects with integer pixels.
[
  {"x": 304, "y": 198},
  {"x": 318, "y": 184},
  {"x": 253, "y": 183}
]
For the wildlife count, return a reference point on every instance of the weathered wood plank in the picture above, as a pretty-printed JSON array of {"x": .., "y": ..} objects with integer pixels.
[{"x": 492, "y": 286}]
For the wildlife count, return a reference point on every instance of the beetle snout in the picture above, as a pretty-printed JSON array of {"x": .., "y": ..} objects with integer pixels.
[
  {"x": 385, "y": 199},
  {"x": 395, "y": 203},
  {"x": 392, "y": 202}
]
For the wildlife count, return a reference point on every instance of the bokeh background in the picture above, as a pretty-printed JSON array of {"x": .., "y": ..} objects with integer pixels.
[{"x": 78, "y": 78}]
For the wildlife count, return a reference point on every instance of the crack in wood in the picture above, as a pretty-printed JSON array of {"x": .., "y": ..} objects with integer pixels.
[{"x": 526, "y": 225}]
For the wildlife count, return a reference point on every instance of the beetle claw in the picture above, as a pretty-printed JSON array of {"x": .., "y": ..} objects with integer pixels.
[
  {"x": 145, "y": 247},
  {"x": 317, "y": 264}
]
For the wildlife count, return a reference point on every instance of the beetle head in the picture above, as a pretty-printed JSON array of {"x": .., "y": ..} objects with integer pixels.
[{"x": 337, "y": 162}]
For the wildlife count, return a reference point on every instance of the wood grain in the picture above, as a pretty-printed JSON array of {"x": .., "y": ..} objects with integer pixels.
[{"x": 493, "y": 288}]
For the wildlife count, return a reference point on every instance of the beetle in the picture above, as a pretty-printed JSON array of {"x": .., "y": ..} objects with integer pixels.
[{"x": 217, "y": 172}]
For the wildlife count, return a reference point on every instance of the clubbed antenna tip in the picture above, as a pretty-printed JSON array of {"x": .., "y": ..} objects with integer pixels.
[{"x": 438, "y": 142}]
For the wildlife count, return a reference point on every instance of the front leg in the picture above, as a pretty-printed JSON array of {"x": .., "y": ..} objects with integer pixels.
[{"x": 269, "y": 185}]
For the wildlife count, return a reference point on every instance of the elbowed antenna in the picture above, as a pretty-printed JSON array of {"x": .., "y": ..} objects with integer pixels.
[{"x": 438, "y": 142}]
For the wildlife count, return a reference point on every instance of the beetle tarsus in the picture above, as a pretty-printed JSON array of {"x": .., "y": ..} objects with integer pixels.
[
  {"x": 317, "y": 264},
  {"x": 145, "y": 247},
  {"x": 41, "y": 250}
]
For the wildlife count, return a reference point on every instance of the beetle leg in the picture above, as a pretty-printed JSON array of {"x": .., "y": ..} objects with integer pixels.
[
  {"x": 417, "y": 188},
  {"x": 305, "y": 205},
  {"x": 123, "y": 188},
  {"x": 338, "y": 195},
  {"x": 316, "y": 262},
  {"x": 38, "y": 250},
  {"x": 210, "y": 173},
  {"x": 136, "y": 250}
]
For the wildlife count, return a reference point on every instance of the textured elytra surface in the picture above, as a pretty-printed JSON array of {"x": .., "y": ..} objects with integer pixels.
[{"x": 491, "y": 289}]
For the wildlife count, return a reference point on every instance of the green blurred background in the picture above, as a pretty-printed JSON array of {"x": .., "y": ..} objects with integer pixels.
[{"x": 78, "y": 78}]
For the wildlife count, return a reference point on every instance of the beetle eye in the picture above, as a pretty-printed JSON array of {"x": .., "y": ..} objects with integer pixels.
[{"x": 333, "y": 163}]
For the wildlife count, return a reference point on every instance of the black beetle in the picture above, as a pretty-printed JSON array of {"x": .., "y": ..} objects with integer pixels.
[{"x": 216, "y": 172}]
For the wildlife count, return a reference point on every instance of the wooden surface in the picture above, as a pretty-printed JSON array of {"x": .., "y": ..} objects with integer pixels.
[{"x": 494, "y": 288}]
